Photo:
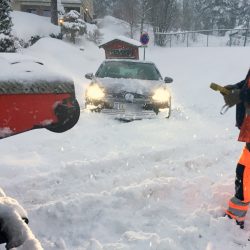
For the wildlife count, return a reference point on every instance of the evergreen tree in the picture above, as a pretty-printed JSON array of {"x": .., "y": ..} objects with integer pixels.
[
  {"x": 241, "y": 12},
  {"x": 6, "y": 39},
  {"x": 73, "y": 25}
]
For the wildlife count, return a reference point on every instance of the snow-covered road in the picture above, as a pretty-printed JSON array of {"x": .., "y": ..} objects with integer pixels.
[{"x": 145, "y": 185}]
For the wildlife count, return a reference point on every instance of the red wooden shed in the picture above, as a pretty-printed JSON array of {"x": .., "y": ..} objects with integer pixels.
[{"x": 121, "y": 48}]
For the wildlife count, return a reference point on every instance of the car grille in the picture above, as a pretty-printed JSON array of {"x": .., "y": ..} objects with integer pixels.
[{"x": 129, "y": 115}]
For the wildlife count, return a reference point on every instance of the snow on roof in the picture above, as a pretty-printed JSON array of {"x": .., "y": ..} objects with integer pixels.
[
  {"x": 128, "y": 60},
  {"x": 17, "y": 68},
  {"x": 124, "y": 39}
]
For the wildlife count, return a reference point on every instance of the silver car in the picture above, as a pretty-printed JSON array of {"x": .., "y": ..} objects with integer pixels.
[{"x": 128, "y": 90}]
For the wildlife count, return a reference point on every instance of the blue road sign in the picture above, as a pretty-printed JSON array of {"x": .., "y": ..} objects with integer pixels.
[{"x": 144, "y": 38}]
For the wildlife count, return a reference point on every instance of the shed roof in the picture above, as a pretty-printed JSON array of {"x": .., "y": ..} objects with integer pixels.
[{"x": 123, "y": 39}]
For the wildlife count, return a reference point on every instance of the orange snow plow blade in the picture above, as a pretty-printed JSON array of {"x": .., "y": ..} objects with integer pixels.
[{"x": 35, "y": 99}]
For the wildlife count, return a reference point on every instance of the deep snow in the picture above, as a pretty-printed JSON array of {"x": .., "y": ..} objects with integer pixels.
[{"x": 146, "y": 185}]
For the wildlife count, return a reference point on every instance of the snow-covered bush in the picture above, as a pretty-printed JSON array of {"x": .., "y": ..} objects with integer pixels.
[
  {"x": 95, "y": 36},
  {"x": 20, "y": 44},
  {"x": 93, "y": 33},
  {"x": 6, "y": 39},
  {"x": 35, "y": 38},
  {"x": 73, "y": 25}
]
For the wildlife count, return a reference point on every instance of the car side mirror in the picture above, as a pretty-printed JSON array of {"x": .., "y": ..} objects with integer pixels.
[
  {"x": 168, "y": 79},
  {"x": 89, "y": 76}
]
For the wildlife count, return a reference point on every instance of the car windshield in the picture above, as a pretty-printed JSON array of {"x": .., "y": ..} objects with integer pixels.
[{"x": 129, "y": 70}]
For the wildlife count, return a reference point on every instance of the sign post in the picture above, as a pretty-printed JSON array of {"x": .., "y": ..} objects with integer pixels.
[{"x": 144, "y": 39}]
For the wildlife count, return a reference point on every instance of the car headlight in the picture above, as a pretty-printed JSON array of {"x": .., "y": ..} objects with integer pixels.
[
  {"x": 95, "y": 92},
  {"x": 161, "y": 95}
]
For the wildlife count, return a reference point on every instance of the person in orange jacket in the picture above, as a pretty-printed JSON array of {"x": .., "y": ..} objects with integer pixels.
[{"x": 240, "y": 96}]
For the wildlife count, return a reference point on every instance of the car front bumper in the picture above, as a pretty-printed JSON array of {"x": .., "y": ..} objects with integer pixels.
[{"x": 141, "y": 108}]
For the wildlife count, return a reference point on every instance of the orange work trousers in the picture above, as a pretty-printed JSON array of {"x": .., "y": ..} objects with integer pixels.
[{"x": 238, "y": 205}]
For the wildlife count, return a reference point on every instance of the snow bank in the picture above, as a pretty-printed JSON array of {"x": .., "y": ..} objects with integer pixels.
[
  {"x": 18, "y": 233},
  {"x": 65, "y": 58},
  {"x": 20, "y": 69},
  {"x": 27, "y": 25}
]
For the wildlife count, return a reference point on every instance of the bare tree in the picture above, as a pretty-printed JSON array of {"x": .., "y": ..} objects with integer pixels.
[
  {"x": 128, "y": 11},
  {"x": 144, "y": 12},
  {"x": 163, "y": 17}
]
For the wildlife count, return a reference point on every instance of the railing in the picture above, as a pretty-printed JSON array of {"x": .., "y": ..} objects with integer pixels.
[{"x": 201, "y": 38}]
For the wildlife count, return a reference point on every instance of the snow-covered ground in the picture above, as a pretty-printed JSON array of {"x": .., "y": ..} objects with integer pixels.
[
  {"x": 145, "y": 185},
  {"x": 27, "y": 25}
]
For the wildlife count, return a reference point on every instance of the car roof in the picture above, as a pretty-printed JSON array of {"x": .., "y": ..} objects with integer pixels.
[{"x": 127, "y": 60}]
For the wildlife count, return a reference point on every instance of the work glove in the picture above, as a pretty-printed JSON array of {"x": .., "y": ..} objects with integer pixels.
[
  {"x": 232, "y": 98},
  {"x": 230, "y": 87}
]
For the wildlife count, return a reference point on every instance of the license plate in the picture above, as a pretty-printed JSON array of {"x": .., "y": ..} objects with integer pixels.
[{"x": 118, "y": 105}]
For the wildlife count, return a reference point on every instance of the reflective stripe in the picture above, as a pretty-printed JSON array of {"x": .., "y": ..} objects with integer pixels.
[
  {"x": 234, "y": 206},
  {"x": 236, "y": 212},
  {"x": 239, "y": 202},
  {"x": 237, "y": 209},
  {"x": 235, "y": 217}
]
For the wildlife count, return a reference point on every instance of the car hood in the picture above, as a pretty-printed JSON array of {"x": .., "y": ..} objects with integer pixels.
[{"x": 117, "y": 85}]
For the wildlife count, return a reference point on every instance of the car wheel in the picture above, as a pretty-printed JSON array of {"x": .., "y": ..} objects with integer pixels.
[
  {"x": 169, "y": 109},
  {"x": 166, "y": 113}
]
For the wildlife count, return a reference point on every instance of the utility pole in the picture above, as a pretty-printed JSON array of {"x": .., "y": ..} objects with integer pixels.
[{"x": 54, "y": 14}]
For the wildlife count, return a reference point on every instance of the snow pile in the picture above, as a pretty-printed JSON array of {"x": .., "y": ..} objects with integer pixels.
[
  {"x": 64, "y": 58},
  {"x": 17, "y": 232},
  {"x": 19, "y": 69},
  {"x": 27, "y": 25}
]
